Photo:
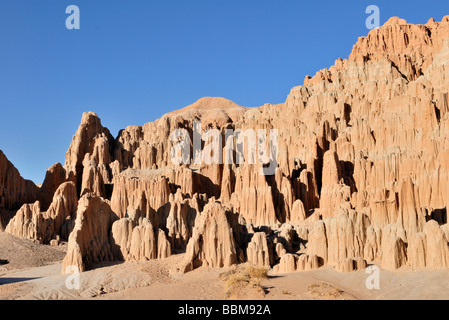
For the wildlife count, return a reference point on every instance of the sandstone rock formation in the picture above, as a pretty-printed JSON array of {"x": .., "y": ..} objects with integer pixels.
[
  {"x": 27, "y": 223},
  {"x": 55, "y": 176},
  {"x": 89, "y": 242},
  {"x": 134, "y": 239},
  {"x": 87, "y": 162},
  {"x": 212, "y": 243},
  {"x": 359, "y": 177},
  {"x": 57, "y": 222},
  {"x": 14, "y": 190},
  {"x": 258, "y": 252}
]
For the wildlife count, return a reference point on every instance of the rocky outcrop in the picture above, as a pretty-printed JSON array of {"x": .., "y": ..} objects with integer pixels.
[
  {"x": 258, "y": 252},
  {"x": 134, "y": 239},
  {"x": 294, "y": 263},
  {"x": 349, "y": 265},
  {"x": 28, "y": 222},
  {"x": 254, "y": 197},
  {"x": 14, "y": 190},
  {"x": 429, "y": 248},
  {"x": 178, "y": 217},
  {"x": 90, "y": 150},
  {"x": 89, "y": 242},
  {"x": 57, "y": 222},
  {"x": 212, "y": 243},
  {"x": 164, "y": 249},
  {"x": 143, "y": 244},
  {"x": 61, "y": 214},
  {"x": 298, "y": 212},
  {"x": 287, "y": 264},
  {"x": 131, "y": 191},
  {"x": 55, "y": 176}
]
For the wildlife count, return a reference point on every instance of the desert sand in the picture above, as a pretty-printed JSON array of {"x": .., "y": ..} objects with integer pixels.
[{"x": 34, "y": 273}]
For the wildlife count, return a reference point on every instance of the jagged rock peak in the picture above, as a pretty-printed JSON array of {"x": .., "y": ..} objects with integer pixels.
[{"x": 89, "y": 155}]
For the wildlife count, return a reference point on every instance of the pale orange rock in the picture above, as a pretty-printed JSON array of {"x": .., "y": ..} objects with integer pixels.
[
  {"x": 287, "y": 264},
  {"x": 92, "y": 179},
  {"x": 136, "y": 239},
  {"x": 349, "y": 265},
  {"x": 89, "y": 242},
  {"x": 360, "y": 264},
  {"x": 395, "y": 21},
  {"x": 258, "y": 252},
  {"x": 143, "y": 244},
  {"x": 280, "y": 250},
  {"x": 57, "y": 222},
  {"x": 416, "y": 251},
  {"x": 178, "y": 217},
  {"x": 156, "y": 191},
  {"x": 437, "y": 250},
  {"x": 212, "y": 243},
  {"x": 55, "y": 176},
  {"x": 254, "y": 196},
  {"x": 121, "y": 235},
  {"x": 61, "y": 214},
  {"x": 90, "y": 139},
  {"x": 318, "y": 243},
  {"x": 373, "y": 242},
  {"x": 298, "y": 212},
  {"x": 345, "y": 265},
  {"x": 394, "y": 253},
  {"x": 163, "y": 245},
  {"x": 14, "y": 190},
  {"x": 28, "y": 222},
  {"x": 306, "y": 262}
]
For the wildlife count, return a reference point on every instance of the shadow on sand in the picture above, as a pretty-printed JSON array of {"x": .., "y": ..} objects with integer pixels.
[{"x": 15, "y": 280}]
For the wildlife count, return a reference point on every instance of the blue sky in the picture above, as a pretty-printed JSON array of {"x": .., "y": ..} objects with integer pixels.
[{"x": 133, "y": 61}]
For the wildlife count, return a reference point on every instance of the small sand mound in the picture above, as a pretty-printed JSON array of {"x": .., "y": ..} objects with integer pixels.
[
  {"x": 327, "y": 291},
  {"x": 244, "y": 282}
]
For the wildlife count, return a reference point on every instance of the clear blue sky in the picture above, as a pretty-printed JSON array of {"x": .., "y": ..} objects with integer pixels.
[{"x": 133, "y": 61}]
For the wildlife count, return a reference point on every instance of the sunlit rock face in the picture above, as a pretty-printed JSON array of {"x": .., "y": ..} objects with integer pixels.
[{"x": 362, "y": 165}]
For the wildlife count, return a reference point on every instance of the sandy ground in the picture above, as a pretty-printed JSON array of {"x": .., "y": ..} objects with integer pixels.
[
  {"x": 34, "y": 272},
  {"x": 22, "y": 253}
]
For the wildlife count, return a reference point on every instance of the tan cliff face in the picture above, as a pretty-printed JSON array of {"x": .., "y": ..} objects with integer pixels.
[
  {"x": 363, "y": 164},
  {"x": 14, "y": 190}
]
